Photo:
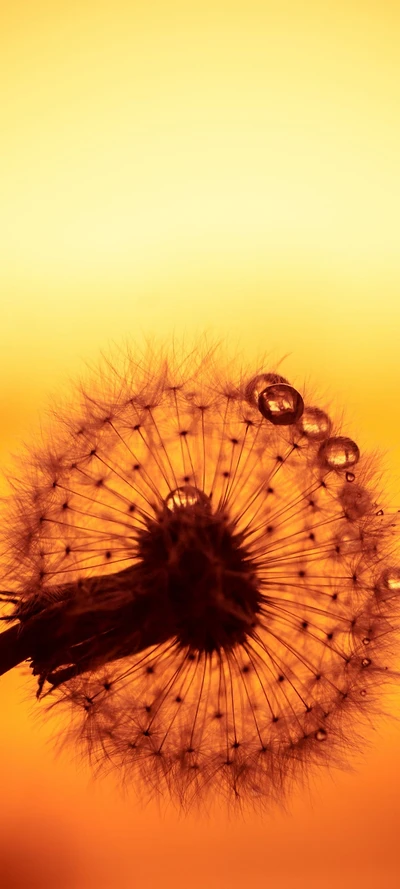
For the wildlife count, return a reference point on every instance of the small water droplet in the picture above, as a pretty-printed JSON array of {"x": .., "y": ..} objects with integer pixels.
[
  {"x": 380, "y": 512},
  {"x": 338, "y": 453},
  {"x": 315, "y": 424},
  {"x": 321, "y": 734},
  {"x": 347, "y": 541},
  {"x": 281, "y": 404},
  {"x": 356, "y": 501},
  {"x": 365, "y": 662},
  {"x": 363, "y": 692},
  {"x": 389, "y": 581},
  {"x": 258, "y": 384},
  {"x": 366, "y": 640},
  {"x": 186, "y": 496},
  {"x": 350, "y": 476}
]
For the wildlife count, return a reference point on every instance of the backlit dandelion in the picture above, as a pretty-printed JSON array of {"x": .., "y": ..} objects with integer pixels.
[{"x": 200, "y": 570}]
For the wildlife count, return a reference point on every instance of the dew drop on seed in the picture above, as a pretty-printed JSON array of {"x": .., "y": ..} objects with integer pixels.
[
  {"x": 347, "y": 541},
  {"x": 186, "y": 496},
  {"x": 281, "y": 404},
  {"x": 321, "y": 734},
  {"x": 356, "y": 501},
  {"x": 315, "y": 424},
  {"x": 257, "y": 385},
  {"x": 338, "y": 453},
  {"x": 389, "y": 581}
]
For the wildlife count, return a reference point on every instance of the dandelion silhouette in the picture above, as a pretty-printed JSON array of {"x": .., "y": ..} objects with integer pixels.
[{"x": 199, "y": 570}]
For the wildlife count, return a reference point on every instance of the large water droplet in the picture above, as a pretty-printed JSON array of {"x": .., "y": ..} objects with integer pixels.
[
  {"x": 281, "y": 404},
  {"x": 258, "y": 384},
  {"x": 338, "y": 453},
  {"x": 187, "y": 496},
  {"x": 356, "y": 502},
  {"x": 321, "y": 734},
  {"x": 315, "y": 424}
]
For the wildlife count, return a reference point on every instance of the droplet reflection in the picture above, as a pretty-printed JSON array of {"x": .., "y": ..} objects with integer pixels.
[
  {"x": 315, "y": 424},
  {"x": 356, "y": 502},
  {"x": 258, "y": 384},
  {"x": 347, "y": 541},
  {"x": 186, "y": 496},
  {"x": 321, "y": 734},
  {"x": 338, "y": 453},
  {"x": 281, "y": 404},
  {"x": 389, "y": 581}
]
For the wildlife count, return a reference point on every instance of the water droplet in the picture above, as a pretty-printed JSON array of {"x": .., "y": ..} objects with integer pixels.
[
  {"x": 389, "y": 581},
  {"x": 380, "y": 512},
  {"x": 363, "y": 692},
  {"x": 350, "y": 476},
  {"x": 281, "y": 404},
  {"x": 338, "y": 453},
  {"x": 366, "y": 640},
  {"x": 315, "y": 424},
  {"x": 321, "y": 734},
  {"x": 348, "y": 541},
  {"x": 258, "y": 384},
  {"x": 356, "y": 501},
  {"x": 187, "y": 496},
  {"x": 365, "y": 662}
]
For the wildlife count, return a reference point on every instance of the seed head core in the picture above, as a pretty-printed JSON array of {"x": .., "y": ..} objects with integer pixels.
[{"x": 203, "y": 572}]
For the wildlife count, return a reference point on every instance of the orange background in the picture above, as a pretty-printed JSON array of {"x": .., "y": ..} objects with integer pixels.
[{"x": 169, "y": 167}]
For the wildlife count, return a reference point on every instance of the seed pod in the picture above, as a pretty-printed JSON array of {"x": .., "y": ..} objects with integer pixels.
[{"x": 193, "y": 576}]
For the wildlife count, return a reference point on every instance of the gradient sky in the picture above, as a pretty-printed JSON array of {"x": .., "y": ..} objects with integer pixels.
[{"x": 170, "y": 167}]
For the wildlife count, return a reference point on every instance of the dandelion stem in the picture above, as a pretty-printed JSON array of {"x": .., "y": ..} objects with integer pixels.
[{"x": 14, "y": 648}]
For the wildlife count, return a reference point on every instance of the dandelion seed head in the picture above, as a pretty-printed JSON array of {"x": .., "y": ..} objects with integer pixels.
[{"x": 199, "y": 568}]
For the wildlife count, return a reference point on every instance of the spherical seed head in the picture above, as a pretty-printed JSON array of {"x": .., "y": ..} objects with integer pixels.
[{"x": 197, "y": 581}]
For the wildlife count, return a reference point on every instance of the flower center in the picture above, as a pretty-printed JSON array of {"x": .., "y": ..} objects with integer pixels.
[{"x": 204, "y": 573}]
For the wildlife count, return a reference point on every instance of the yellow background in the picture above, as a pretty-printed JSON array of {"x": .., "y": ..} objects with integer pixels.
[{"x": 169, "y": 167}]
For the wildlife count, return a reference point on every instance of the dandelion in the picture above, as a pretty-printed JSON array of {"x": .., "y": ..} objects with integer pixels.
[{"x": 200, "y": 572}]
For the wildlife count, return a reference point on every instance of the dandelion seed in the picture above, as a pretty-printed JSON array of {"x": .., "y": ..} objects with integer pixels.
[{"x": 194, "y": 573}]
